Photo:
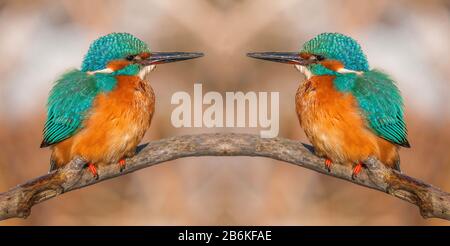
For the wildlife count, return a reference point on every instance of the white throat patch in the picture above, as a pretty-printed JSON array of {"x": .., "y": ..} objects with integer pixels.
[
  {"x": 145, "y": 71},
  {"x": 344, "y": 70},
  {"x": 304, "y": 70},
  {"x": 106, "y": 70}
]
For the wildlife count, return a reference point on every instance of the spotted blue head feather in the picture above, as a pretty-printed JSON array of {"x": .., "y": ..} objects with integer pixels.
[
  {"x": 111, "y": 47},
  {"x": 337, "y": 46}
]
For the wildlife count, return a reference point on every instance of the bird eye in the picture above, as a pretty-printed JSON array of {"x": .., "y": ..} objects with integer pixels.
[
  {"x": 319, "y": 57},
  {"x": 129, "y": 58}
]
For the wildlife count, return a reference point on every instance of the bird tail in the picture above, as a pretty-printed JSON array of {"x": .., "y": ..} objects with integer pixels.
[
  {"x": 53, "y": 165},
  {"x": 44, "y": 144},
  {"x": 397, "y": 165}
]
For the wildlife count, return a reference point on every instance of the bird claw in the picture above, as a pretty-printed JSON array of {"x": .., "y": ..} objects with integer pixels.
[
  {"x": 122, "y": 164},
  {"x": 93, "y": 170},
  {"x": 356, "y": 170},
  {"x": 328, "y": 163}
]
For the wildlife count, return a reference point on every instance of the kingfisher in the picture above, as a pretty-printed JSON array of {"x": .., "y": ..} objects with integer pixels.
[
  {"x": 348, "y": 111},
  {"x": 102, "y": 111}
]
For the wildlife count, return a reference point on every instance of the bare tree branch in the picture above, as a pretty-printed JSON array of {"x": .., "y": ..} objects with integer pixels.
[{"x": 431, "y": 201}]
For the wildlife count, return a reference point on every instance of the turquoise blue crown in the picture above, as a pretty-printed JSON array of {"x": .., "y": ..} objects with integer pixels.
[
  {"x": 112, "y": 47},
  {"x": 338, "y": 47}
]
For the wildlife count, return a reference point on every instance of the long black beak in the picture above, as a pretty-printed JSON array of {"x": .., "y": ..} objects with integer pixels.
[
  {"x": 166, "y": 57},
  {"x": 283, "y": 57}
]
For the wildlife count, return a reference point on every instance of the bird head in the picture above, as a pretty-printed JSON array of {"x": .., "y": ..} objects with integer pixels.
[
  {"x": 123, "y": 53},
  {"x": 325, "y": 54}
]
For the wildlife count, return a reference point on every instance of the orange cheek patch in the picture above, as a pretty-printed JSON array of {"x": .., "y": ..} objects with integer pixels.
[
  {"x": 144, "y": 55},
  {"x": 305, "y": 56},
  {"x": 118, "y": 64},
  {"x": 332, "y": 64}
]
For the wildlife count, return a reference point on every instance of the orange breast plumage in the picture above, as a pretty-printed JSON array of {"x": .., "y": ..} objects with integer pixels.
[
  {"x": 335, "y": 126},
  {"x": 115, "y": 126}
]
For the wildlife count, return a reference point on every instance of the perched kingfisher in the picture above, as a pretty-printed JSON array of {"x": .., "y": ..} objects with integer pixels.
[
  {"x": 102, "y": 111},
  {"x": 347, "y": 110}
]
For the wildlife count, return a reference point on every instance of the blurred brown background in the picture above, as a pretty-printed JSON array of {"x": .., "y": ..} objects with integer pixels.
[{"x": 41, "y": 39}]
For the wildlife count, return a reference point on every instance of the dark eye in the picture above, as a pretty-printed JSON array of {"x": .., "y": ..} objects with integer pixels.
[
  {"x": 319, "y": 57},
  {"x": 130, "y": 57}
]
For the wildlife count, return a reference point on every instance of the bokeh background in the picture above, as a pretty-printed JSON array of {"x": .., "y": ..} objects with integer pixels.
[{"x": 41, "y": 39}]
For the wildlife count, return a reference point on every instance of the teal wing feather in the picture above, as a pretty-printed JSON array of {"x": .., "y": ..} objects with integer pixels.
[
  {"x": 381, "y": 102},
  {"x": 68, "y": 104}
]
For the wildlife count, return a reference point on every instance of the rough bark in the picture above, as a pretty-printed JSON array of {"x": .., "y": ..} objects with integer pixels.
[{"x": 431, "y": 201}]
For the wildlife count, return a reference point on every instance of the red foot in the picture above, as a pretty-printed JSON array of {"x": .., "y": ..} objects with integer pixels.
[
  {"x": 93, "y": 170},
  {"x": 122, "y": 163},
  {"x": 328, "y": 163},
  {"x": 356, "y": 170}
]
